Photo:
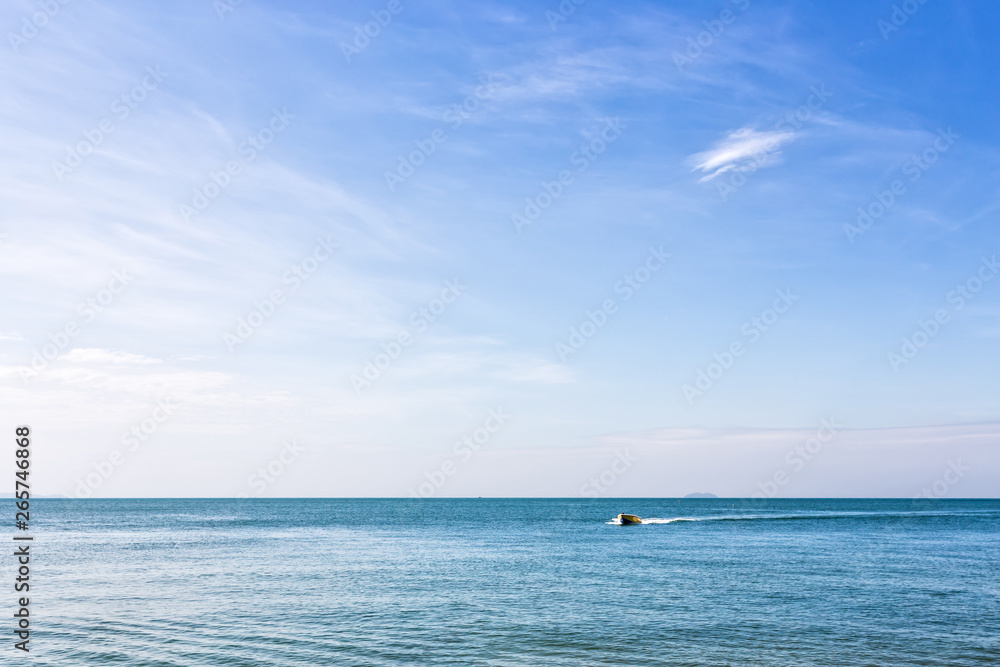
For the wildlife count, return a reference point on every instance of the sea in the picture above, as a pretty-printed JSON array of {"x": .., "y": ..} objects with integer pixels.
[{"x": 509, "y": 582}]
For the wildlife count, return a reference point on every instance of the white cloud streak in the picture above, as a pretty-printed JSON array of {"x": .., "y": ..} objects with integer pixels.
[{"x": 743, "y": 144}]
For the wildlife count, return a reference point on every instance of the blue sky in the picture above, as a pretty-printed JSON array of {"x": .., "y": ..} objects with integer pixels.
[{"x": 692, "y": 150}]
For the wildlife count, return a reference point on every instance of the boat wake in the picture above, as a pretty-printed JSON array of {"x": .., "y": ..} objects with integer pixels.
[
  {"x": 799, "y": 517},
  {"x": 616, "y": 522}
]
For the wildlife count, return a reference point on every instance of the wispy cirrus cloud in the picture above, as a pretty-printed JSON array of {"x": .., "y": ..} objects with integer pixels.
[
  {"x": 742, "y": 144},
  {"x": 96, "y": 355}
]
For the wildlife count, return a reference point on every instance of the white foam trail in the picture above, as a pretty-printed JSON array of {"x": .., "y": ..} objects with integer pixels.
[
  {"x": 785, "y": 517},
  {"x": 616, "y": 522}
]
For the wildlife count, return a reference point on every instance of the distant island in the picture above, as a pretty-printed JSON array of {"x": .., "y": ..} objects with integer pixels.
[{"x": 701, "y": 495}]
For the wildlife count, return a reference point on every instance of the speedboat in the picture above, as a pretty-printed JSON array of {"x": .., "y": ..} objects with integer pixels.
[{"x": 628, "y": 519}]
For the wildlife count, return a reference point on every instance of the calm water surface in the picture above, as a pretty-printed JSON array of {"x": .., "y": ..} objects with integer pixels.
[{"x": 512, "y": 582}]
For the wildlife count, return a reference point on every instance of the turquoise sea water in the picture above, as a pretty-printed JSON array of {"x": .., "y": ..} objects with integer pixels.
[{"x": 512, "y": 582}]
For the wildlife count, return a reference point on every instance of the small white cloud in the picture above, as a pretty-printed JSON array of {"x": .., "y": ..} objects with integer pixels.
[
  {"x": 11, "y": 337},
  {"x": 96, "y": 355},
  {"x": 536, "y": 372},
  {"x": 743, "y": 144}
]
